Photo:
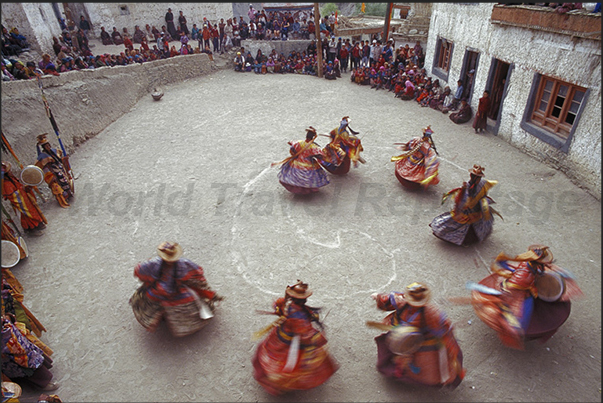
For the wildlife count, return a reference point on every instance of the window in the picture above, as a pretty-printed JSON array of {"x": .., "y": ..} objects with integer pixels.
[
  {"x": 556, "y": 105},
  {"x": 444, "y": 51},
  {"x": 553, "y": 110},
  {"x": 442, "y": 58},
  {"x": 124, "y": 10}
]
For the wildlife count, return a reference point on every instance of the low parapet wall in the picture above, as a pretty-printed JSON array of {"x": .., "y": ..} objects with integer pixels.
[{"x": 85, "y": 102}]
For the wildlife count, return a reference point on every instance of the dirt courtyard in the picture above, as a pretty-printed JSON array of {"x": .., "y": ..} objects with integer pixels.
[{"x": 194, "y": 168}]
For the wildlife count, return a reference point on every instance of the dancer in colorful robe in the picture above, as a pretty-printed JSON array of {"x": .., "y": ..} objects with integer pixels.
[
  {"x": 294, "y": 355},
  {"x": 56, "y": 174},
  {"x": 526, "y": 298},
  {"x": 471, "y": 218},
  {"x": 419, "y": 164},
  {"x": 302, "y": 172},
  {"x": 419, "y": 346},
  {"x": 173, "y": 289},
  {"x": 348, "y": 143},
  {"x": 23, "y": 200}
]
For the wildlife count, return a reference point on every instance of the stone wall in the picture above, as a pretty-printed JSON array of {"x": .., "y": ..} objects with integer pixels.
[
  {"x": 38, "y": 22},
  {"x": 111, "y": 15},
  {"x": 85, "y": 102},
  {"x": 571, "y": 59}
]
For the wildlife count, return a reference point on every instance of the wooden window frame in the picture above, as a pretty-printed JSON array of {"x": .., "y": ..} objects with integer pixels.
[
  {"x": 442, "y": 58},
  {"x": 545, "y": 119},
  {"x": 542, "y": 124}
]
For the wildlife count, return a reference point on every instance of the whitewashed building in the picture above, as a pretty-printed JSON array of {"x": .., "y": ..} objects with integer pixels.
[{"x": 543, "y": 72}]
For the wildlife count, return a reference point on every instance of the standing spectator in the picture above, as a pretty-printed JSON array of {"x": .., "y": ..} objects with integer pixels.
[
  {"x": 215, "y": 37},
  {"x": 182, "y": 22},
  {"x": 128, "y": 42},
  {"x": 344, "y": 54},
  {"x": 332, "y": 53},
  {"x": 481, "y": 117},
  {"x": 366, "y": 53},
  {"x": 195, "y": 33},
  {"x": 169, "y": 20},
  {"x": 85, "y": 25},
  {"x": 251, "y": 13},
  {"x": 457, "y": 95},
  {"x": 356, "y": 55},
  {"x": 221, "y": 30},
  {"x": 205, "y": 35}
]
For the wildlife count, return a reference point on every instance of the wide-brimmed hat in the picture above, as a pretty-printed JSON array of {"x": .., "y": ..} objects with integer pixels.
[
  {"x": 7, "y": 165},
  {"x": 417, "y": 294},
  {"x": 536, "y": 253},
  {"x": 298, "y": 290},
  {"x": 427, "y": 132},
  {"x": 311, "y": 129},
  {"x": 542, "y": 252},
  {"x": 42, "y": 138},
  {"x": 477, "y": 170},
  {"x": 170, "y": 252}
]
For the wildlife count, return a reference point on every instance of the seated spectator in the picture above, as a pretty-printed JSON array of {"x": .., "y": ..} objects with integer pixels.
[
  {"x": 208, "y": 51},
  {"x": 66, "y": 39},
  {"x": 6, "y": 75},
  {"x": 438, "y": 102},
  {"x": 105, "y": 37},
  {"x": 66, "y": 65},
  {"x": 56, "y": 46},
  {"x": 47, "y": 66},
  {"x": 118, "y": 39},
  {"x": 138, "y": 35},
  {"x": 409, "y": 92},
  {"x": 463, "y": 115},
  {"x": 156, "y": 33},
  {"x": 19, "y": 39},
  {"x": 239, "y": 62},
  {"x": 10, "y": 47},
  {"x": 21, "y": 72}
]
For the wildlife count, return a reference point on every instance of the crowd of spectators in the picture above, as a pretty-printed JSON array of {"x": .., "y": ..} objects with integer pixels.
[
  {"x": 402, "y": 72},
  {"x": 72, "y": 49}
]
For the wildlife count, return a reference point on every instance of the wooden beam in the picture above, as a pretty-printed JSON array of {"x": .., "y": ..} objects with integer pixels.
[
  {"x": 318, "y": 40},
  {"x": 388, "y": 17}
]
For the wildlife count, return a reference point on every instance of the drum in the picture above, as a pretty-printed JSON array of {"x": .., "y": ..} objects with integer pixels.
[
  {"x": 10, "y": 254},
  {"x": 550, "y": 286},
  {"x": 341, "y": 169},
  {"x": 31, "y": 175},
  {"x": 404, "y": 339}
]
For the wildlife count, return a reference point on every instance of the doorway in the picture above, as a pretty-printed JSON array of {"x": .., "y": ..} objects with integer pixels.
[
  {"x": 468, "y": 72},
  {"x": 496, "y": 85}
]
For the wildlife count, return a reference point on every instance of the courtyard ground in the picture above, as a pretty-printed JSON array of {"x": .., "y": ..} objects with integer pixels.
[{"x": 194, "y": 168}]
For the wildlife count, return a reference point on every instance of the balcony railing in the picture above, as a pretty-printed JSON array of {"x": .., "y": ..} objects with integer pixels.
[{"x": 577, "y": 23}]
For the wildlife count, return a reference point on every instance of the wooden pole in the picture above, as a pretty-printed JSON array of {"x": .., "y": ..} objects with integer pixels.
[
  {"x": 388, "y": 17},
  {"x": 318, "y": 40}
]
